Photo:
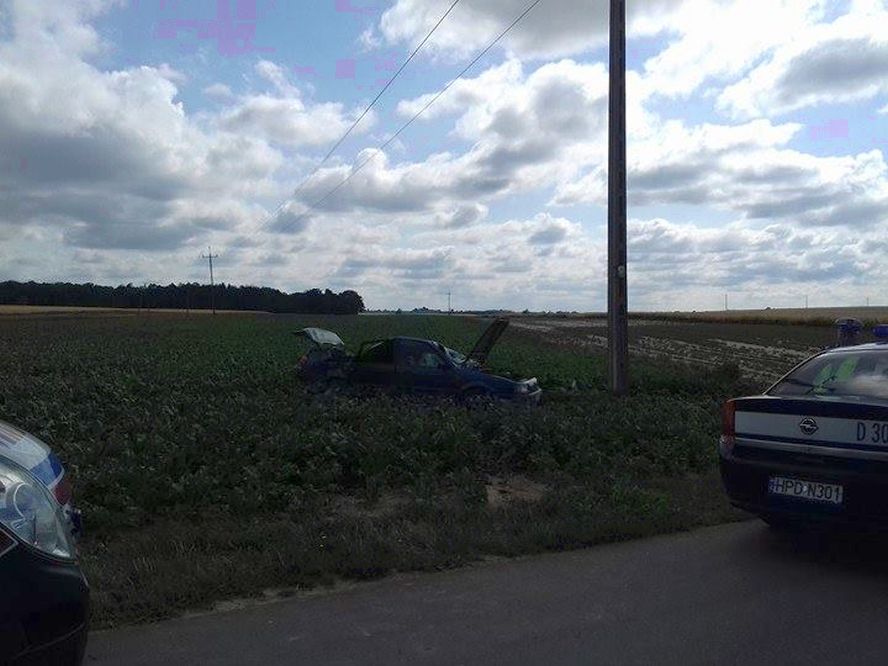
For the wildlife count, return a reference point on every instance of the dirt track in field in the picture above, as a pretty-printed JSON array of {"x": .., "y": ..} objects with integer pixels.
[{"x": 762, "y": 351}]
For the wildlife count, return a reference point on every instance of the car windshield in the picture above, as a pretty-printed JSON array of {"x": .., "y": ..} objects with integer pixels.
[
  {"x": 455, "y": 356},
  {"x": 857, "y": 373}
]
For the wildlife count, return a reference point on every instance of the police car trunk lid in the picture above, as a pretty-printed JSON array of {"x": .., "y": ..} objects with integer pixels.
[{"x": 818, "y": 425}]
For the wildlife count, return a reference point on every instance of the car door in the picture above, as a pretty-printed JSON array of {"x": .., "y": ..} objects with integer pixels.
[
  {"x": 375, "y": 364},
  {"x": 422, "y": 368}
]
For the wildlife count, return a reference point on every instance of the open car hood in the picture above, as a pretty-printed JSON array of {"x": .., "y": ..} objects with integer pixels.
[
  {"x": 321, "y": 337},
  {"x": 487, "y": 340}
]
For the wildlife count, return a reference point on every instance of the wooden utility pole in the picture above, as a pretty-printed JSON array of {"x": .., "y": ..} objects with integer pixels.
[
  {"x": 210, "y": 256},
  {"x": 617, "y": 293},
  {"x": 449, "y": 303}
]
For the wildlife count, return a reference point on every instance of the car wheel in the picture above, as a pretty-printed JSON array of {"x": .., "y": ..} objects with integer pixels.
[
  {"x": 327, "y": 386},
  {"x": 336, "y": 384},
  {"x": 476, "y": 397},
  {"x": 315, "y": 387}
]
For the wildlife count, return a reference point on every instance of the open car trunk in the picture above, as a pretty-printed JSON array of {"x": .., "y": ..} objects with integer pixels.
[
  {"x": 327, "y": 360},
  {"x": 321, "y": 337}
]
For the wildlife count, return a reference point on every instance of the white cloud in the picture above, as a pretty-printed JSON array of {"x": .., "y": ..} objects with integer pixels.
[
  {"x": 550, "y": 230},
  {"x": 840, "y": 62},
  {"x": 219, "y": 91},
  {"x": 552, "y": 29},
  {"x": 463, "y": 215},
  {"x": 115, "y": 175},
  {"x": 526, "y": 262},
  {"x": 524, "y": 131},
  {"x": 671, "y": 263},
  {"x": 277, "y": 76},
  {"x": 107, "y": 157},
  {"x": 288, "y": 121},
  {"x": 291, "y": 218},
  {"x": 719, "y": 39},
  {"x": 285, "y": 118},
  {"x": 747, "y": 169},
  {"x": 112, "y": 159},
  {"x": 369, "y": 40}
]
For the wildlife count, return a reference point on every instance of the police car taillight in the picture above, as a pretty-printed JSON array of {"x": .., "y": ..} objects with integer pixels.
[{"x": 728, "y": 436}]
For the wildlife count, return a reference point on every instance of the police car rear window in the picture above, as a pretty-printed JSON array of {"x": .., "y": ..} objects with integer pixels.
[{"x": 852, "y": 373}]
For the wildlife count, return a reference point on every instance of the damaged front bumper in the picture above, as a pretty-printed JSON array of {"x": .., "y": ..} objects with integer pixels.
[{"x": 529, "y": 391}]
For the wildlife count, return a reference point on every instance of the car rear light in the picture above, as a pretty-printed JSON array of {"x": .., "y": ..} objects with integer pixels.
[
  {"x": 728, "y": 413},
  {"x": 728, "y": 436}
]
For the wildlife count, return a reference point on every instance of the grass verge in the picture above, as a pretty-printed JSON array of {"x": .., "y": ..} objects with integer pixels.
[{"x": 178, "y": 565}]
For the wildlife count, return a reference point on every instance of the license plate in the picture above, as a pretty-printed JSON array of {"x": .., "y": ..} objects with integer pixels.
[{"x": 813, "y": 491}]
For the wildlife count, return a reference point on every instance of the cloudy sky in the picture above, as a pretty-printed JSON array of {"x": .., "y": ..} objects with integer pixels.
[{"x": 135, "y": 133}]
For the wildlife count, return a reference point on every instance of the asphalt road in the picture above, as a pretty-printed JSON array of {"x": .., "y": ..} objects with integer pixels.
[{"x": 737, "y": 594}]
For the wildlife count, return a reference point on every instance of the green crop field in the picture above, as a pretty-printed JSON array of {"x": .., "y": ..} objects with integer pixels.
[{"x": 205, "y": 471}]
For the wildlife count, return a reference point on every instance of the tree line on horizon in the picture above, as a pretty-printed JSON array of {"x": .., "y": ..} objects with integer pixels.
[{"x": 182, "y": 296}]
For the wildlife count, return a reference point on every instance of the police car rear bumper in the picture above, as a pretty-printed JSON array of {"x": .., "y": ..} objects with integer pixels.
[{"x": 746, "y": 473}]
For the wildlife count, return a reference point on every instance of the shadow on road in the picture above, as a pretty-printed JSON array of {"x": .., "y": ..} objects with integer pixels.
[{"x": 831, "y": 549}]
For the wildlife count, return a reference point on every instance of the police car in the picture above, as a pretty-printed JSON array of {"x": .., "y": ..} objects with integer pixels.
[
  {"x": 44, "y": 597},
  {"x": 814, "y": 446}
]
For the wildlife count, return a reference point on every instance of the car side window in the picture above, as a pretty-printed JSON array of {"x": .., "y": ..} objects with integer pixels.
[
  {"x": 378, "y": 352},
  {"x": 419, "y": 356}
]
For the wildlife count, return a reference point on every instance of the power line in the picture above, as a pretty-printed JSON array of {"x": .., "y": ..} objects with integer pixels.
[
  {"x": 403, "y": 127},
  {"x": 369, "y": 106}
]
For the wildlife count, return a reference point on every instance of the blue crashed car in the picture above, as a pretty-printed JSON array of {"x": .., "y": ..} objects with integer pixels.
[{"x": 411, "y": 365}]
